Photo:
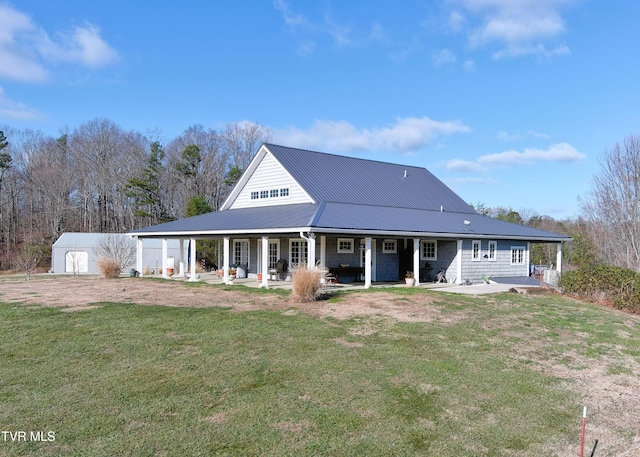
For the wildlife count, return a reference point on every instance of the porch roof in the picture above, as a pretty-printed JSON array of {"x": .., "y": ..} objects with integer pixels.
[{"x": 344, "y": 218}]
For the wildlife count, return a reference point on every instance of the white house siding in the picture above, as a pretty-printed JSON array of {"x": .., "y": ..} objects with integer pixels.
[
  {"x": 268, "y": 175},
  {"x": 473, "y": 271}
]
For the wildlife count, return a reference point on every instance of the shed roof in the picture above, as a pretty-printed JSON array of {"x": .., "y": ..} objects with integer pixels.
[{"x": 77, "y": 240}]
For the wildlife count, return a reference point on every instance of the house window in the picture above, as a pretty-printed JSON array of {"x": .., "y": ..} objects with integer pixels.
[
  {"x": 517, "y": 255},
  {"x": 241, "y": 252},
  {"x": 254, "y": 195},
  {"x": 389, "y": 247},
  {"x": 345, "y": 245},
  {"x": 284, "y": 192},
  {"x": 475, "y": 250},
  {"x": 429, "y": 250},
  {"x": 274, "y": 253},
  {"x": 491, "y": 253},
  {"x": 273, "y": 193},
  {"x": 298, "y": 253},
  {"x": 264, "y": 194}
]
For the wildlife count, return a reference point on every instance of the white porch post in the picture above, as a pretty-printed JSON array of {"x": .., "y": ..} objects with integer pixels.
[
  {"x": 164, "y": 258},
  {"x": 367, "y": 262},
  {"x": 311, "y": 252},
  {"x": 225, "y": 267},
  {"x": 265, "y": 262},
  {"x": 192, "y": 255},
  {"x": 559, "y": 258},
  {"x": 416, "y": 261},
  {"x": 181, "y": 259},
  {"x": 139, "y": 255},
  {"x": 323, "y": 251},
  {"x": 459, "y": 264}
]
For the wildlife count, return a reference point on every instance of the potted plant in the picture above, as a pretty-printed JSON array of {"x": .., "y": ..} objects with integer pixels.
[{"x": 408, "y": 277}]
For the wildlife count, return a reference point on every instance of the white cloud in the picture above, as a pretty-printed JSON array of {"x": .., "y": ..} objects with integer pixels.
[
  {"x": 506, "y": 136},
  {"x": 340, "y": 34},
  {"x": 15, "y": 110},
  {"x": 406, "y": 135},
  {"x": 26, "y": 48},
  {"x": 518, "y": 28},
  {"x": 560, "y": 152},
  {"x": 463, "y": 165},
  {"x": 443, "y": 57},
  {"x": 469, "y": 65}
]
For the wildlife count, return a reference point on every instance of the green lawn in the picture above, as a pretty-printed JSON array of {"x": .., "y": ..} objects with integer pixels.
[{"x": 136, "y": 380}]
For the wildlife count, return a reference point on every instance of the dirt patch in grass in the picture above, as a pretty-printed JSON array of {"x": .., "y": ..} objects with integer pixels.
[{"x": 83, "y": 292}]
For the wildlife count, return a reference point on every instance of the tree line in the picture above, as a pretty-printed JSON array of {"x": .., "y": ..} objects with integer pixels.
[{"x": 101, "y": 178}]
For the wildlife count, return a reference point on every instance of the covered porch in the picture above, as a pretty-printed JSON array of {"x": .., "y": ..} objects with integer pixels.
[{"x": 369, "y": 260}]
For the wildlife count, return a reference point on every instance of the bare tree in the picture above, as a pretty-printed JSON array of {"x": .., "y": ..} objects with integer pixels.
[
  {"x": 29, "y": 258},
  {"x": 111, "y": 246},
  {"x": 242, "y": 140},
  {"x": 105, "y": 156},
  {"x": 613, "y": 205}
]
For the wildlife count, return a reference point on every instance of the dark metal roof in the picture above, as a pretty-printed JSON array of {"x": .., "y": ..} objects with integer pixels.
[
  {"x": 356, "y": 196},
  {"x": 340, "y": 179},
  {"x": 340, "y": 217},
  {"x": 263, "y": 218}
]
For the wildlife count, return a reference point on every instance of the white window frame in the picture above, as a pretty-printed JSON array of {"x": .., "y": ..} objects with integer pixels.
[
  {"x": 523, "y": 255},
  {"x": 492, "y": 251},
  {"x": 238, "y": 260},
  {"x": 347, "y": 248},
  {"x": 284, "y": 192},
  {"x": 271, "y": 262},
  {"x": 255, "y": 195},
  {"x": 389, "y": 246},
  {"x": 273, "y": 193},
  {"x": 476, "y": 254},
  {"x": 264, "y": 194},
  {"x": 303, "y": 254},
  {"x": 423, "y": 250}
]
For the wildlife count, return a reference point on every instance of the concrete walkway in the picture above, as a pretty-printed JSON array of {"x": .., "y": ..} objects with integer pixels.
[{"x": 474, "y": 289}]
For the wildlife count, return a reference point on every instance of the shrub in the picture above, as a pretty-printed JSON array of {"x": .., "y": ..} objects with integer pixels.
[
  {"x": 614, "y": 286},
  {"x": 306, "y": 284},
  {"x": 109, "y": 268}
]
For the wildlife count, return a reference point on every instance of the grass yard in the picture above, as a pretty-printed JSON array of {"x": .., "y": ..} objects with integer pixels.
[{"x": 489, "y": 377}]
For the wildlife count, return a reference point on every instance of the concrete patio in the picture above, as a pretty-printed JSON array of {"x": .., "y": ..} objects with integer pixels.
[{"x": 500, "y": 285}]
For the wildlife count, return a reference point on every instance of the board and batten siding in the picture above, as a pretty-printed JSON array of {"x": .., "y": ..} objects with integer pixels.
[{"x": 269, "y": 174}]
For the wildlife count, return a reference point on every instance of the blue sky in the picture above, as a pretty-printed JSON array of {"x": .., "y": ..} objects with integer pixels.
[{"x": 509, "y": 102}]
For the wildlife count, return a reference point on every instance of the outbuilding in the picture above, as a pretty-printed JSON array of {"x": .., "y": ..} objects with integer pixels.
[{"x": 75, "y": 253}]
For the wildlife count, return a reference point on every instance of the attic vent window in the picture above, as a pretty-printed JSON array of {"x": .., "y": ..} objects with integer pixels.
[{"x": 269, "y": 193}]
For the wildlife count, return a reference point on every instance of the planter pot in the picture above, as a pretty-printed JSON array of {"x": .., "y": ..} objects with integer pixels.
[
  {"x": 169, "y": 272},
  {"x": 410, "y": 281},
  {"x": 259, "y": 276}
]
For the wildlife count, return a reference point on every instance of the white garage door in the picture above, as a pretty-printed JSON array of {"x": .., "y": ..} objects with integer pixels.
[{"x": 76, "y": 262}]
